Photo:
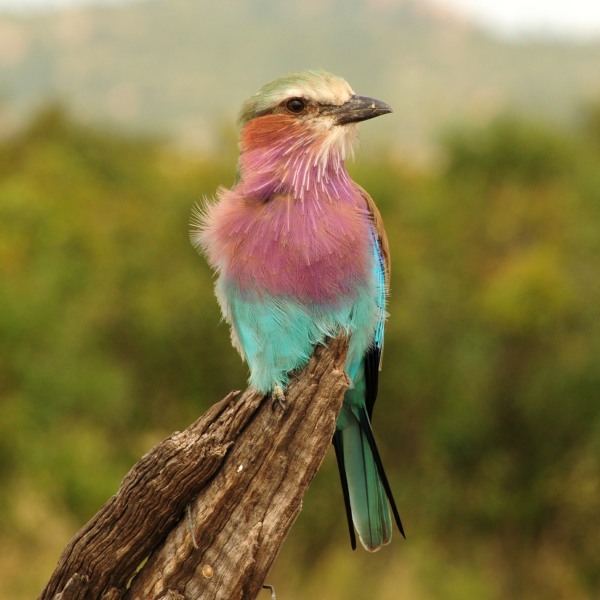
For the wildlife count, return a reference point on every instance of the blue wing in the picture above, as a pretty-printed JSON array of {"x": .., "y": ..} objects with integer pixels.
[{"x": 372, "y": 359}]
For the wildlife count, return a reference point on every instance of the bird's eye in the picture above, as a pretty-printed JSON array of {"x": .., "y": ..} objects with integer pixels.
[{"x": 296, "y": 105}]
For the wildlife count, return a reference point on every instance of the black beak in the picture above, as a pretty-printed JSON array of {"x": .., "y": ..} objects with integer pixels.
[{"x": 358, "y": 108}]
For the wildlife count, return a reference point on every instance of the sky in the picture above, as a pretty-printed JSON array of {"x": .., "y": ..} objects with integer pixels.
[
  {"x": 562, "y": 18},
  {"x": 572, "y": 18}
]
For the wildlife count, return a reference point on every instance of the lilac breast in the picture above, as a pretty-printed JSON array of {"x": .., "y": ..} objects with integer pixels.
[
  {"x": 295, "y": 225},
  {"x": 315, "y": 249}
]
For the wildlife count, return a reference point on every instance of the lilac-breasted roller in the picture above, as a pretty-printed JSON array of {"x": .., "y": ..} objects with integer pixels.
[{"x": 301, "y": 255}]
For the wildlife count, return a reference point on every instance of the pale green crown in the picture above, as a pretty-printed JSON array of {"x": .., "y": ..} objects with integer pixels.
[{"x": 317, "y": 85}]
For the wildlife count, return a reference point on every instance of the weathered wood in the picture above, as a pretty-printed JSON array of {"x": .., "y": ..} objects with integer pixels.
[{"x": 242, "y": 469}]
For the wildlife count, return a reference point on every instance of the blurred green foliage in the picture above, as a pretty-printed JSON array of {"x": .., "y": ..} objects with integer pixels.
[{"x": 489, "y": 412}]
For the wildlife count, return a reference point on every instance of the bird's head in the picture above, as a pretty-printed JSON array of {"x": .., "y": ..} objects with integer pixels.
[
  {"x": 317, "y": 98},
  {"x": 319, "y": 102},
  {"x": 302, "y": 122}
]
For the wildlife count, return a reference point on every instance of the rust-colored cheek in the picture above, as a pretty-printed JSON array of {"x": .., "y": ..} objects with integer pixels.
[{"x": 268, "y": 131}]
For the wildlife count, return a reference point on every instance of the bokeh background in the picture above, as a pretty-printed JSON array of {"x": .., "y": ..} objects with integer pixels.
[{"x": 116, "y": 117}]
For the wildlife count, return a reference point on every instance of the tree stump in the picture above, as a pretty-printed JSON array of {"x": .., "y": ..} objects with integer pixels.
[{"x": 204, "y": 513}]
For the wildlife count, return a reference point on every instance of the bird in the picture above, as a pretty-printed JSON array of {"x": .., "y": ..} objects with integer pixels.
[{"x": 301, "y": 255}]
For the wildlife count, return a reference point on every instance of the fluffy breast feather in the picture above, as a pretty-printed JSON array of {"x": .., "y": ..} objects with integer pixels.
[
  {"x": 314, "y": 252},
  {"x": 295, "y": 225}
]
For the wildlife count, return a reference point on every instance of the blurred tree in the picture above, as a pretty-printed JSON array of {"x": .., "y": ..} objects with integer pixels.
[{"x": 97, "y": 325}]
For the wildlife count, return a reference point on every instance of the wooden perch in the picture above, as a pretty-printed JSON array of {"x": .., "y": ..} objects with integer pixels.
[{"x": 235, "y": 478}]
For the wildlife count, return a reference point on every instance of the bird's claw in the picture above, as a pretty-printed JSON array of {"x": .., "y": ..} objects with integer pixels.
[
  {"x": 278, "y": 398},
  {"x": 266, "y": 586}
]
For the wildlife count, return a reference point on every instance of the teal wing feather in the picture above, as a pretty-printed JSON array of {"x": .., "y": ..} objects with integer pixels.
[
  {"x": 373, "y": 354},
  {"x": 366, "y": 490}
]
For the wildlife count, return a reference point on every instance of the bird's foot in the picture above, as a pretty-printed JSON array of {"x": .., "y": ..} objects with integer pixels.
[
  {"x": 271, "y": 589},
  {"x": 278, "y": 398}
]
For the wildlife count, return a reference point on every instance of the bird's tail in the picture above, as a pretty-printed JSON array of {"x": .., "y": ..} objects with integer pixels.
[{"x": 364, "y": 483}]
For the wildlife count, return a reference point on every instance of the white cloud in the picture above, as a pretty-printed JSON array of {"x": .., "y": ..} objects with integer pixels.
[{"x": 572, "y": 17}]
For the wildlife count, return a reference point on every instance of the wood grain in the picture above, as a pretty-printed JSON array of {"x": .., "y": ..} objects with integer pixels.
[{"x": 235, "y": 478}]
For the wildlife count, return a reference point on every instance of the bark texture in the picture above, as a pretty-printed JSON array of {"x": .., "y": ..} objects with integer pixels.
[{"x": 204, "y": 513}]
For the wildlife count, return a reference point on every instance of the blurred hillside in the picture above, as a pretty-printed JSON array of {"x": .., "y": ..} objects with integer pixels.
[
  {"x": 183, "y": 67},
  {"x": 488, "y": 417}
]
